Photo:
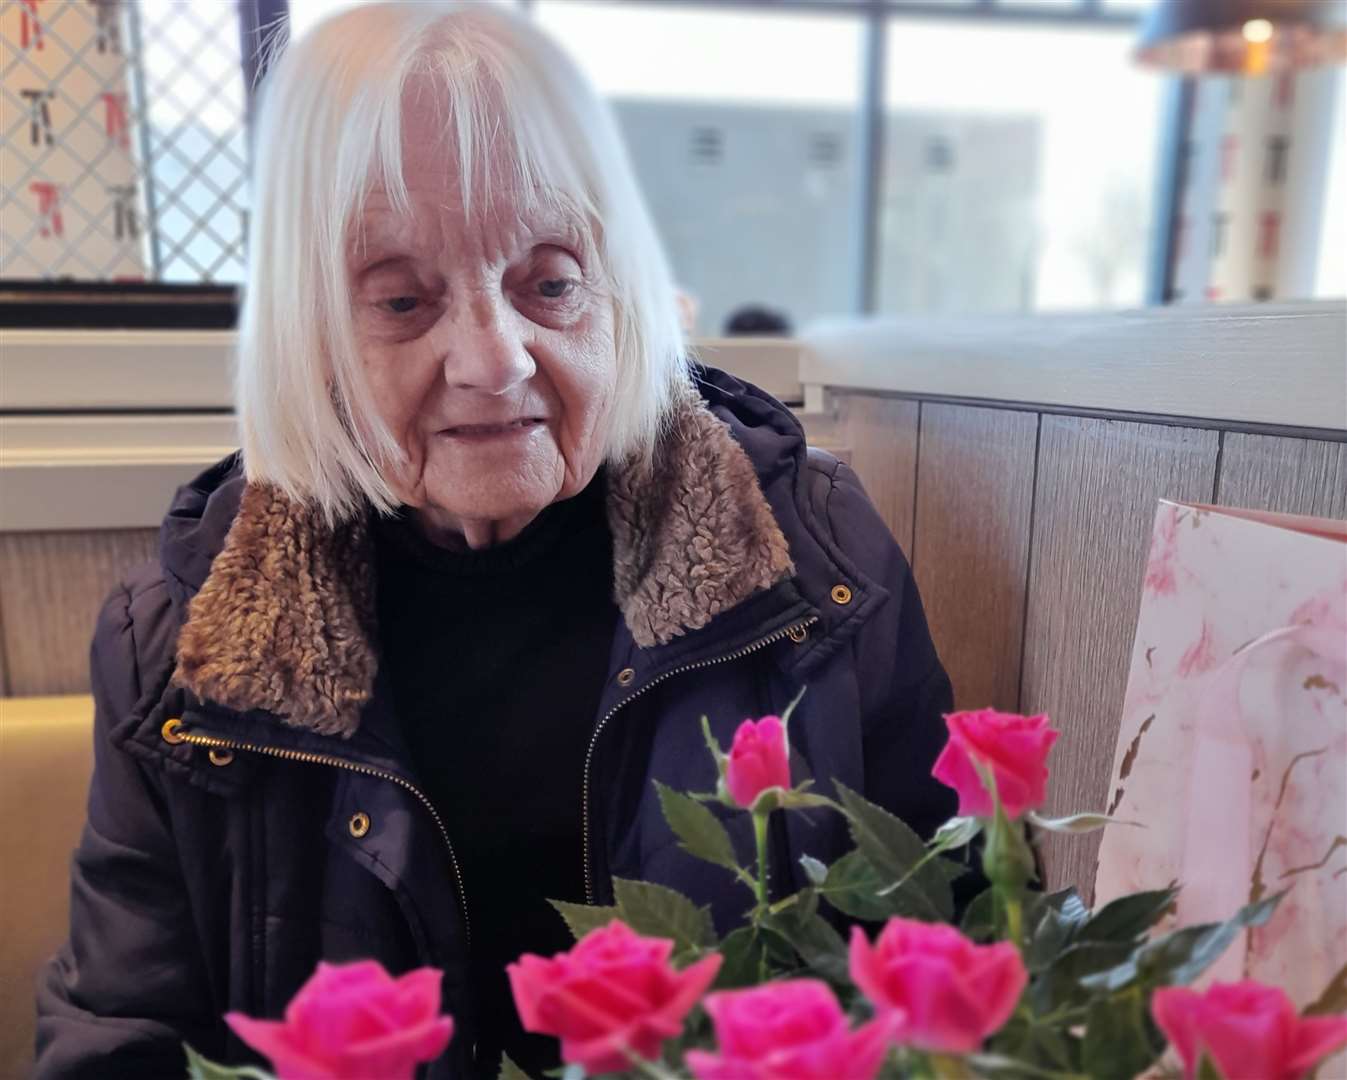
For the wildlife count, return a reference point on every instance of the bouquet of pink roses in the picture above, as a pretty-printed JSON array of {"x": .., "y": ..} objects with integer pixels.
[{"x": 1028, "y": 985}]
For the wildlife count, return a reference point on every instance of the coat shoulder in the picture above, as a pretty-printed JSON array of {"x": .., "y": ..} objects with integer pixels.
[{"x": 134, "y": 637}]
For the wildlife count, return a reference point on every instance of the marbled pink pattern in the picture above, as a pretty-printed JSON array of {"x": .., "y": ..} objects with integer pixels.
[
  {"x": 1160, "y": 578},
  {"x": 1238, "y": 767}
]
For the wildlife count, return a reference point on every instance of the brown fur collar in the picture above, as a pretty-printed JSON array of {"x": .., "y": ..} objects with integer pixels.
[{"x": 286, "y": 619}]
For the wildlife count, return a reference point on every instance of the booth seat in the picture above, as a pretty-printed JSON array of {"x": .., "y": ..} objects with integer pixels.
[{"x": 46, "y": 756}]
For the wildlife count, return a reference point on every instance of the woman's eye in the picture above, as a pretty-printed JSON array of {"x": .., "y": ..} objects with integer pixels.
[
  {"x": 554, "y": 288},
  {"x": 401, "y": 305}
]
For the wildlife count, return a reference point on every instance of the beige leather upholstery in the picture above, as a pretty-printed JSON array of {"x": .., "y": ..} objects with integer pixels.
[{"x": 45, "y": 760}]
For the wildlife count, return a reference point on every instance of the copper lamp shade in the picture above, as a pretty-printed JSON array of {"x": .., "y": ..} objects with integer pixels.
[{"x": 1249, "y": 37}]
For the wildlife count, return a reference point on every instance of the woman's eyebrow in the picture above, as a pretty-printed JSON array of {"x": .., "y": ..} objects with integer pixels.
[{"x": 386, "y": 262}]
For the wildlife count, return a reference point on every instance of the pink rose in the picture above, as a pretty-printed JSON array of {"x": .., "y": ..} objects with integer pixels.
[
  {"x": 614, "y": 992},
  {"x": 353, "y": 1021},
  {"x": 1014, "y": 748},
  {"x": 952, "y": 993},
  {"x": 1246, "y": 1029},
  {"x": 789, "y": 1031},
  {"x": 759, "y": 759}
]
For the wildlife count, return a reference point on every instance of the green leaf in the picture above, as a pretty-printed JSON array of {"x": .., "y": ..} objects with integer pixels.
[
  {"x": 1074, "y": 967},
  {"x": 1128, "y": 917},
  {"x": 509, "y": 1070},
  {"x": 951, "y": 869},
  {"x": 699, "y": 831},
  {"x": 979, "y": 918},
  {"x": 742, "y": 950},
  {"x": 852, "y": 887},
  {"x": 956, "y": 832},
  {"x": 1050, "y": 937},
  {"x": 814, "y": 870},
  {"x": 582, "y": 918},
  {"x": 1077, "y": 824},
  {"x": 199, "y": 1068},
  {"x": 1120, "y": 1040},
  {"x": 894, "y": 849},
  {"x": 656, "y": 911},
  {"x": 1050, "y": 924},
  {"x": 1182, "y": 955},
  {"x": 812, "y": 936}
]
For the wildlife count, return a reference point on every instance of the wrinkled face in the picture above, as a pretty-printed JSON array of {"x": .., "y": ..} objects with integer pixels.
[{"x": 487, "y": 339}]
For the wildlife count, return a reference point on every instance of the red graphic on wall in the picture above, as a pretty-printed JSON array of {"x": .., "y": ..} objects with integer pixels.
[
  {"x": 114, "y": 119},
  {"x": 30, "y": 27},
  {"x": 1229, "y": 144},
  {"x": 48, "y": 207},
  {"x": 1269, "y": 234},
  {"x": 1213, "y": 292}
]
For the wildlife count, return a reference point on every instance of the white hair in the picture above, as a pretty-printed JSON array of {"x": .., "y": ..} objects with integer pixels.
[{"x": 330, "y": 129}]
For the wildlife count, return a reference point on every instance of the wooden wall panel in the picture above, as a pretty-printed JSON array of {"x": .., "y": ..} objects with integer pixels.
[
  {"x": 52, "y": 585},
  {"x": 970, "y": 551},
  {"x": 4, "y": 674},
  {"x": 1098, "y": 482},
  {"x": 881, "y": 434},
  {"x": 1290, "y": 476}
]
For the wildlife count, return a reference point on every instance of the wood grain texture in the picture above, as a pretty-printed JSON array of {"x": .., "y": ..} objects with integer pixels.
[
  {"x": 975, "y": 489},
  {"x": 52, "y": 585},
  {"x": 1098, "y": 482},
  {"x": 1288, "y": 476},
  {"x": 881, "y": 434},
  {"x": 4, "y": 673}
]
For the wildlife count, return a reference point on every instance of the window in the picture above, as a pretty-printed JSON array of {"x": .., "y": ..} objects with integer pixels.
[
  {"x": 1005, "y": 158},
  {"x": 123, "y": 152},
  {"x": 1018, "y": 168},
  {"x": 742, "y": 129}
]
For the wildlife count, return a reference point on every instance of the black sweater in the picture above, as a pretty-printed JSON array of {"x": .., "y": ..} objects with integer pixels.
[{"x": 497, "y": 659}]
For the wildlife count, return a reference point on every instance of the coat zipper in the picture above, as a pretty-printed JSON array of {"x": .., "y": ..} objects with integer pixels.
[
  {"x": 213, "y": 742},
  {"x": 761, "y": 643}
]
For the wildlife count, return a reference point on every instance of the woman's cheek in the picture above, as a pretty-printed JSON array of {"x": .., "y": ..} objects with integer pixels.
[{"x": 400, "y": 381}]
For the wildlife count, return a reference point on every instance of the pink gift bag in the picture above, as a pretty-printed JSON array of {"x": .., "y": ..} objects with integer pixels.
[{"x": 1233, "y": 746}]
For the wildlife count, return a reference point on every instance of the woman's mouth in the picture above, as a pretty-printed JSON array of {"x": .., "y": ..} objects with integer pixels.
[{"x": 485, "y": 432}]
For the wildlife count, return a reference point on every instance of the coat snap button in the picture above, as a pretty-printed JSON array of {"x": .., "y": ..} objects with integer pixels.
[
  {"x": 220, "y": 756},
  {"x": 359, "y": 824},
  {"x": 797, "y": 634},
  {"x": 841, "y": 594},
  {"x": 171, "y": 731},
  {"x": 626, "y": 676}
]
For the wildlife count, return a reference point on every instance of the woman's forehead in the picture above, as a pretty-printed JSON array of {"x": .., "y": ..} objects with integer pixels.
[{"x": 492, "y": 210}]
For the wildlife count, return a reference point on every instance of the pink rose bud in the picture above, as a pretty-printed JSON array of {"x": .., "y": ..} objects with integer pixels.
[
  {"x": 1015, "y": 750},
  {"x": 759, "y": 759},
  {"x": 952, "y": 994},
  {"x": 351, "y": 1022},
  {"x": 1245, "y": 1029},
  {"x": 792, "y": 1029},
  {"x": 612, "y": 994}
]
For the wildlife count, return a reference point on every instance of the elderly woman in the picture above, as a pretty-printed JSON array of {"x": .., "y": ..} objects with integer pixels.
[{"x": 409, "y": 663}]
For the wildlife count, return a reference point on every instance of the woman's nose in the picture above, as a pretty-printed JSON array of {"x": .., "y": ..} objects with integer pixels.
[{"x": 485, "y": 351}]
